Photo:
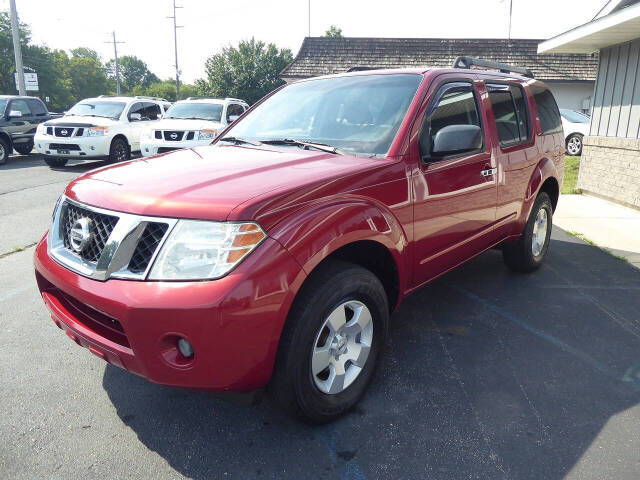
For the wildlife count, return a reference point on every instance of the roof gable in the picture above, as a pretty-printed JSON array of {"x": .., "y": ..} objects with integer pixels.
[{"x": 323, "y": 56}]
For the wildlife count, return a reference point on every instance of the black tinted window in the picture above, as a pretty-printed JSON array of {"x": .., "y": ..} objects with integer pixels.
[
  {"x": 510, "y": 112},
  {"x": 21, "y": 106},
  {"x": 456, "y": 106},
  {"x": 152, "y": 111},
  {"x": 137, "y": 108},
  {"x": 550, "y": 120},
  {"x": 234, "y": 109},
  {"x": 37, "y": 107}
]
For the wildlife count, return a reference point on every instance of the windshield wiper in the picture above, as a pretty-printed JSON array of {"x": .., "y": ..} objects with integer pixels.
[
  {"x": 301, "y": 143},
  {"x": 238, "y": 141}
]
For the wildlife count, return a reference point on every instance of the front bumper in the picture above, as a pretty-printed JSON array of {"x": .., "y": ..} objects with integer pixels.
[
  {"x": 153, "y": 147},
  {"x": 233, "y": 323},
  {"x": 72, "y": 147}
]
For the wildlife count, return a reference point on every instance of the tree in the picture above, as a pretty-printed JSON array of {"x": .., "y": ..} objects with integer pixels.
[
  {"x": 248, "y": 72},
  {"x": 133, "y": 71},
  {"x": 7, "y": 62},
  {"x": 52, "y": 67},
  {"x": 333, "y": 32},
  {"x": 86, "y": 74},
  {"x": 165, "y": 89}
]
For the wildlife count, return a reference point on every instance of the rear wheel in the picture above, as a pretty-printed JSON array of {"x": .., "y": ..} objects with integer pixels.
[
  {"x": 330, "y": 344},
  {"x": 574, "y": 144},
  {"x": 4, "y": 151},
  {"x": 119, "y": 151},
  {"x": 56, "y": 162},
  {"x": 527, "y": 254},
  {"x": 23, "y": 148}
]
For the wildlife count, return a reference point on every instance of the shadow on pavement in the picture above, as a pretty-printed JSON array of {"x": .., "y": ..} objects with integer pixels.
[
  {"x": 18, "y": 162},
  {"x": 487, "y": 374}
]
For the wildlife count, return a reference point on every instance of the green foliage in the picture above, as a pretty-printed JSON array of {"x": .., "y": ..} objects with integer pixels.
[
  {"x": 52, "y": 67},
  {"x": 165, "y": 89},
  {"x": 83, "y": 52},
  {"x": 133, "y": 72},
  {"x": 249, "y": 71},
  {"x": 333, "y": 32},
  {"x": 571, "y": 167},
  {"x": 7, "y": 67}
]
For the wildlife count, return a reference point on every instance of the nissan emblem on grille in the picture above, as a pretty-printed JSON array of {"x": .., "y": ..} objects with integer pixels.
[
  {"x": 63, "y": 133},
  {"x": 80, "y": 234},
  {"x": 174, "y": 136}
]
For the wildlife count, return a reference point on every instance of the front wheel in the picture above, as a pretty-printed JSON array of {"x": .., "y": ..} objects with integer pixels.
[
  {"x": 574, "y": 144},
  {"x": 330, "y": 344},
  {"x": 119, "y": 151},
  {"x": 56, "y": 162},
  {"x": 4, "y": 151},
  {"x": 527, "y": 254}
]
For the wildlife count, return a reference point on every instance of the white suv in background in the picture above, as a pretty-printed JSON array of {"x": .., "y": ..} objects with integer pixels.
[
  {"x": 98, "y": 128},
  {"x": 190, "y": 123}
]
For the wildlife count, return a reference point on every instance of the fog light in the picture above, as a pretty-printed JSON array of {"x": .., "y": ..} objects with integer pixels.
[
  {"x": 185, "y": 348},
  {"x": 93, "y": 148}
]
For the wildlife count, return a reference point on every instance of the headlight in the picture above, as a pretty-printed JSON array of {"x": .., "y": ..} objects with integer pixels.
[
  {"x": 146, "y": 134},
  {"x": 207, "y": 134},
  {"x": 199, "y": 250},
  {"x": 97, "y": 131}
]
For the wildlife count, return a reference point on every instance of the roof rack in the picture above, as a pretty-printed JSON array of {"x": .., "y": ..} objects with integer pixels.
[
  {"x": 144, "y": 97},
  {"x": 467, "y": 62},
  {"x": 235, "y": 100}
]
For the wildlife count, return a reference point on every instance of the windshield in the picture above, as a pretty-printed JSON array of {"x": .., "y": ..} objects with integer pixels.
[
  {"x": 359, "y": 115},
  {"x": 573, "y": 117},
  {"x": 199, "y": 111},
  {"x": 97, "y": 109}
]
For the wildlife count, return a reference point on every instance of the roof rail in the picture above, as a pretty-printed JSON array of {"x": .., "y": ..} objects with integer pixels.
[
  {"x": 144, "y": 97},
  {"x": 235, "y": 100},
  {"x": 105, "y": 96},
  {"x": 467, "y": 62}
]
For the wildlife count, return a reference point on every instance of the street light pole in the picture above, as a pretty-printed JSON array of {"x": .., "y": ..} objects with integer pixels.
[
  {"x": 309, "y": 19},
  {"x": 175, "y": 46},
  {"x": 17, "y": 49}
]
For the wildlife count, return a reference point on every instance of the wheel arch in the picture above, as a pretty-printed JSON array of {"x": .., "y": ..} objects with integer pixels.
[{"x": 7, "y": 139}]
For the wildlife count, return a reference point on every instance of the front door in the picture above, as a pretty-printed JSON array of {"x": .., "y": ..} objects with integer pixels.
[{"x": 455, "y": 194}]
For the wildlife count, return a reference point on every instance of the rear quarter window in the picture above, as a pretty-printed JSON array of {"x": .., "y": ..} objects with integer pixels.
[{"x": 550, "y": 121}]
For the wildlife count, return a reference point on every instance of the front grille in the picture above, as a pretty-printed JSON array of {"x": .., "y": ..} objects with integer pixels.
[
  {"x": 101, "y": 227},
  {"x": 173, "y": 135},
  {"x": 147, "y": 246},
  {"x": 49, "y": 130},
  {"x": 64, "y": 146},
  {"x": 158, "y": 134},
  {"x": 190, "y": 135},
  {"x": 64, "y": 131},
  {"x": 79, "y": 132}
]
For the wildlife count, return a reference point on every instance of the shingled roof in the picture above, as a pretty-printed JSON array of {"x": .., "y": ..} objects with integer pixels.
[{"x": 322, "y": 56}]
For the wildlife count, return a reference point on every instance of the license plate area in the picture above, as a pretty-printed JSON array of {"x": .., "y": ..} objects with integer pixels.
[{"x": 64, "y": 152}]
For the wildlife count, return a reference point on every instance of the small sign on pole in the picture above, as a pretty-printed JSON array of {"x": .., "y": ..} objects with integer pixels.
[{"x": 30, "y": 81}]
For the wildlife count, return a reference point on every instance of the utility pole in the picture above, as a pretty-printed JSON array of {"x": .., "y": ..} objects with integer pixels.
[
  {"x": 115, "y": 53},
  {"x": 175, "y": 46},
  {"x": 309, "y": 11},
  {"x": 17, "y": 49},
  {"x": 510, "y": 15}
]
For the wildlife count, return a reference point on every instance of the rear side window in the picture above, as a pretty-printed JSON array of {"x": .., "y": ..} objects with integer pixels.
[
  {"x": 37, "y": 108},
  {"x": 550, "y": 121},
  {"x": 510, "y": 112}
]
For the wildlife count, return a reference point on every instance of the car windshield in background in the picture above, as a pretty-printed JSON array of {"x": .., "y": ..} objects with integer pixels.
[
  {"x": 359, "y": 115},
  {"x": 98, "y": 109},
  {"x": 199, "y": 111},
  {"x": 573, "y": 116}
]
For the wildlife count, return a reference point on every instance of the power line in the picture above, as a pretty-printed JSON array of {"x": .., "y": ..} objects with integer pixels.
[
  {"x": 175, "y": 46},
  {"x": 115, "y": 52},
  {"x": 17, "y": 48}
]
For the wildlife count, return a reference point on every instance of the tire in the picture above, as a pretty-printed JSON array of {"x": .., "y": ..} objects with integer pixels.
[
  {"x": 335, "y": 287},
  {"x": 4, "y": 151},
  {"x": 56, "y": 162},
  {"x": 525, "y": 255},
  {"x": 23, "y": 148},
  {"x": 574, "y": 144},
  {"x": 119, "y": 150}
]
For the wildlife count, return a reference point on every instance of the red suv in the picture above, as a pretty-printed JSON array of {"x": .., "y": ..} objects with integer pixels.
[{"x": 276, "y": 255}]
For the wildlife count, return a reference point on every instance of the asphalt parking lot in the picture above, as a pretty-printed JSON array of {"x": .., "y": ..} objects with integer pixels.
[{"x": 487, "y": 374}]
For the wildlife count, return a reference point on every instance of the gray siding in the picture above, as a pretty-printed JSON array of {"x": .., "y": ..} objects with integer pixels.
[{"x": 616, "y": 104}]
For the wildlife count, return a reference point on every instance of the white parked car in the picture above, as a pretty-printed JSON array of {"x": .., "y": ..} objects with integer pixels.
[
  {"x": 98, "y": 128},
  {"x": 190, "y": 123},
  {"x": 576, "y": 126}
]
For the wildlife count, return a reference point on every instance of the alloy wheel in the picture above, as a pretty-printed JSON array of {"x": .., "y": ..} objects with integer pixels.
[
  {"x": 539, "y": 236},
  {"x": 341, "y": 347},
  {"x": 574, "y": 145}
]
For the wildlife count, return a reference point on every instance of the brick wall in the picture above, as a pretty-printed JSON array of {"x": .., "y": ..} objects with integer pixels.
[{"x": 610, "y": 167}]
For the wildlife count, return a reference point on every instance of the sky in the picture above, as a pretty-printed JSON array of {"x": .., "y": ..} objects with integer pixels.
[{"x": 208, "y": 26}]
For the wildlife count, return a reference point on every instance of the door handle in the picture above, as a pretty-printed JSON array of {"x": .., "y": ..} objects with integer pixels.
[{"x": 488, "y": 172}]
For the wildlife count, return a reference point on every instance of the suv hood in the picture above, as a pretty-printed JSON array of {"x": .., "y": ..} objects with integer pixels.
[
  {"x": 207, "y": 182},
  {"x": 178, "y": 124},
  {"x": 81, "y": 120}
]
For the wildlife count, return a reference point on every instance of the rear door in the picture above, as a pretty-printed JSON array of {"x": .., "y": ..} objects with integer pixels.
[
  {"x": 135, "y": 127},
  {"x": 455, "y": 196},
  {"x": 18, "y": 127}
]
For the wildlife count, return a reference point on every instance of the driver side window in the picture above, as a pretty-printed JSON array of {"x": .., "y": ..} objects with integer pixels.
[{"x": 455, "y": 104}]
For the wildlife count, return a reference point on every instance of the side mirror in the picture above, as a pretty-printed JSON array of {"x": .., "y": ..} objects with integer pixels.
[
  {"x": 15, "y": 114},
  {"x": 454, "y": 139},
  {"x": 135, "y": 117},
  {"x": 233, "y": 118}
]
